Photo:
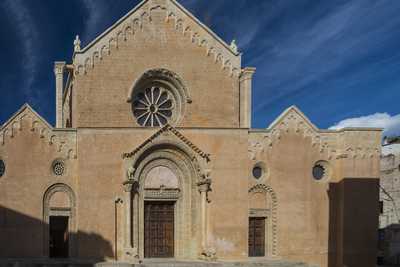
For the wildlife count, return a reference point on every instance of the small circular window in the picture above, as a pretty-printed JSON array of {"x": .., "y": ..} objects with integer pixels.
[
  {"x": 321, "y": 170},
  {"x": 58, "y": 168},
  {"x": 154, "y": 106},
  {"x": 2, "y": 168},
  {"x": 318, "y": 172},
  {"x": 257, "y": 172}
]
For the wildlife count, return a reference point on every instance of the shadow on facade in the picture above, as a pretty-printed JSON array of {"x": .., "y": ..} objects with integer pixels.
[
  {"x": 389, "y": 245},
  {"x": 353, "y": 224},
  {"x": 25, "y": 237}
]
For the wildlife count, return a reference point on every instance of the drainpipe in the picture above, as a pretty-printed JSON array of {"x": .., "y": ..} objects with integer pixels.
[{"x": 117, "y": 201}]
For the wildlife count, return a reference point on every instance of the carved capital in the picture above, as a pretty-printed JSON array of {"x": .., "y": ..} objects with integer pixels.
[
  {"x": 59, "y": 67},
  {"x": 247, "y": 73},
  {"x": 209, "y": 254},
  {"x": 127, "y": 186},
  {"x": 130, "y": 173},
  {"x": 204, "y": 185}
]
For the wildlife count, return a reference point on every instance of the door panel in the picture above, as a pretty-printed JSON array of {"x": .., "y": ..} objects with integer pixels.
[
  {"x": 159, "y": 229},
  {"x": 59, "y": 237},
  {"x": 256, "y": 237}
]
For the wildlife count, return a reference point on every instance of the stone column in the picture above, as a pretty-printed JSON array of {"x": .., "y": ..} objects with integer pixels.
[
  {"x": 130, "y": 252},
  {"x": 208, "y": 253},
  {"x": 245, "y": 81},
  {"x": 59, "y": 75}
]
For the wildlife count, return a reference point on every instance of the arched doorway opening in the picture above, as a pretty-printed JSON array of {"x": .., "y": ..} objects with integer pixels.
[
  {"x": 59, "y": 216},
  {"x": 262, "y": 234},
  {"x": 165, "y": 204}
]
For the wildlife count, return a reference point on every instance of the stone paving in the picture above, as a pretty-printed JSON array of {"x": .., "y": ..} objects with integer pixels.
[{"x": 150, "y": 263}]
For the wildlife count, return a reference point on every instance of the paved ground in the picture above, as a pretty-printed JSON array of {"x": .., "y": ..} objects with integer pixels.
[{"x": 150, "y": 263}]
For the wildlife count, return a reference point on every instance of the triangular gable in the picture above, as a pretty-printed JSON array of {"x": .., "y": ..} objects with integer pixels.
[
  {"x": 168, "y": 128},
  {"x": 185, "y": 22},
  {"x": 25, "y": 110},
  {"x": 289, "y": 113},
  {"x": 64, "y": 140}
]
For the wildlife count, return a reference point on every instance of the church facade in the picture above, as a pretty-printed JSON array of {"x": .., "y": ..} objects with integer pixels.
[{"x": 153, "y": 156}]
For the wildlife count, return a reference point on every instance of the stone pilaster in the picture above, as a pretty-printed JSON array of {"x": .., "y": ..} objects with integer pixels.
[
  {"x": 59, "y": 75},
  {"x": 245, "y": 82},
  {"x": 208, "y": 253}
]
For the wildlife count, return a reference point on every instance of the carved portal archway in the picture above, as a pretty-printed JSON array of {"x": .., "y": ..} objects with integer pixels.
[
  {"x": 264, "y": 203},
  {"x": 167, "y": 168}
]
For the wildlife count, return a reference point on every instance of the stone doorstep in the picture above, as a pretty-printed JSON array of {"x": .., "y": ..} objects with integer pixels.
[{"x": 150, "y": 263}]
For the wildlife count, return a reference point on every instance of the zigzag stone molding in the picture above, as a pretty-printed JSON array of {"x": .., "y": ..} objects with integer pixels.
[
  {"x": 293, "y": 121},
  {"x": 328, "y": 142},
  {"x": 263, "y": 188},
  {"x": 64, "y": 141},
  {"x": 184, "y": 22}
]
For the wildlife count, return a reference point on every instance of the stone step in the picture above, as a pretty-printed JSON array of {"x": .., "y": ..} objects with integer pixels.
[{"x": 153, "y": 263}]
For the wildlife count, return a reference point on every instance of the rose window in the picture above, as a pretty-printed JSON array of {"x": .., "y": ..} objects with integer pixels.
[
  {"x": 154, "y": 107},
  {"x": 58, "y": 168}
]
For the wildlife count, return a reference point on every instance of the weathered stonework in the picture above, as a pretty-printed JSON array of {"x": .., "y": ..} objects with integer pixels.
[{"x": 202, "y": 159}]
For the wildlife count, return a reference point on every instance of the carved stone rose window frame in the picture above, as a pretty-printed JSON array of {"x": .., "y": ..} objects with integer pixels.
[{"x": 158, "y": 97}]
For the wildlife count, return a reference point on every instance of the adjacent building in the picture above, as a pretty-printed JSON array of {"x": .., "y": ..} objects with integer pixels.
[{"x": 389, "y": 220}]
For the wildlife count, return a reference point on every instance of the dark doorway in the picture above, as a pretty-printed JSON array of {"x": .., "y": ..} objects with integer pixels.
[
  {"x": 159, "y": 229},
  {"x": 256, "y": 237},
  {"x": 59, "y": 237}
]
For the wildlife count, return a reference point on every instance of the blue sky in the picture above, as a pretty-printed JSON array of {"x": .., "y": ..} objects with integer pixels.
[{"x": 338, "y": 61}]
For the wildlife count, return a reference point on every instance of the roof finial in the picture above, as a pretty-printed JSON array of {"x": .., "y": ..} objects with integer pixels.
[
  {"x": 77, "y": 44},
  {"x": 234, "y": 46}
]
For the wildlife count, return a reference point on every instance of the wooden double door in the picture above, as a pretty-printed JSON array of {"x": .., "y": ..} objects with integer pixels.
[
  {"x": 159, "y": 229},
  {"x": 256, "y": 237}
]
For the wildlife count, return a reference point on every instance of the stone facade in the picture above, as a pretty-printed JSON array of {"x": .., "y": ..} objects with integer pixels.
[
  {"x": 158, "y": 109},
  {"x": 389, "y": 219}
]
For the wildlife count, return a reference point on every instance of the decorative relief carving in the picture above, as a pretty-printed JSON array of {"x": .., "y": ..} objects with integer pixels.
[
  {"x": 168, "y": 129},
  {"x": 262, "y": 188},
  {"x": 64, "y": 141},
  {"x": 226, "y": 55}
]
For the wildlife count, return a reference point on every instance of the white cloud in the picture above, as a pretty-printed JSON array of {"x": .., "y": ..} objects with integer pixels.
[{"x": 390, "y": 124}]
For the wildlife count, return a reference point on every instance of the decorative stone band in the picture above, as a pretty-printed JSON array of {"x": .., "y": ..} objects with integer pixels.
[
  {"x": 162, "y": 193},
  {"x": 259, "y": 212}
]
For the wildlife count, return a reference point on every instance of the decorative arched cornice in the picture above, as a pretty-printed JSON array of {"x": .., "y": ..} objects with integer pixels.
[
  {"x": 63, "y": 140},
  {"x": 184, "y": 22},
  {"x": 59, "y": 187},
  {"x": 331, "y": 144},
  {"x": 161, "y": 75},
  {"x": 263, "y": 188}
]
